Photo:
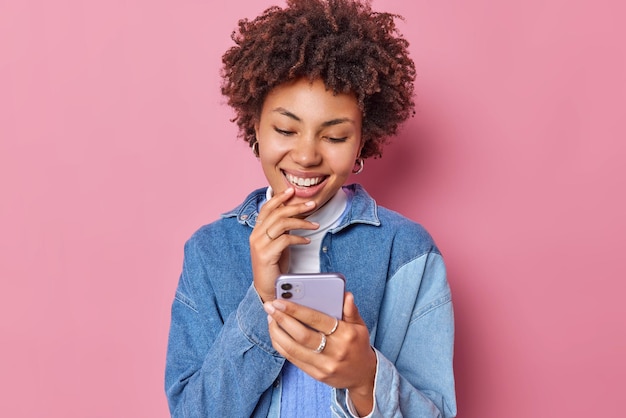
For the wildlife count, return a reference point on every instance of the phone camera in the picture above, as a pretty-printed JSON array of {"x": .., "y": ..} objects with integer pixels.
[
  {"x": 286, "y": 286},
  {"x": 287, "y": 295}
]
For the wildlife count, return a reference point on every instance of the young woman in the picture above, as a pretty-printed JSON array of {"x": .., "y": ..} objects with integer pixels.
[{"x": 317, "y": 86}]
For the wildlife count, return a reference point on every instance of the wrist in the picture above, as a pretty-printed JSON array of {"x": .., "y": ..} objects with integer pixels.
[
  {"x": 362, "y": 392},
  {"x": 362, "y": 395},
  {"x": 265, "y": 297},
  {"x": 359, "y": 406}
]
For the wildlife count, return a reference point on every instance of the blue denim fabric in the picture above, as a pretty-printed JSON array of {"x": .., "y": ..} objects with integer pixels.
[{"x": 220, "y": 360}]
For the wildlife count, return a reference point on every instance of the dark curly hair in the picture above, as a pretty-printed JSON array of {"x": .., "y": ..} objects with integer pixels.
[{"x": 350, "y": 47}]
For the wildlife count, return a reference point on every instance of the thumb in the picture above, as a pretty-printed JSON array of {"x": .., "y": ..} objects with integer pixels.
[{"x": 350, "y": 311}]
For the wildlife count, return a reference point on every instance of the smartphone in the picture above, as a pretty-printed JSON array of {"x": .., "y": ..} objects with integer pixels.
[{"x": 320, "y": 291}]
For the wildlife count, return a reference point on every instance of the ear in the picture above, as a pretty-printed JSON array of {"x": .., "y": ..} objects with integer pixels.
[{"x": 358, "y": 154}]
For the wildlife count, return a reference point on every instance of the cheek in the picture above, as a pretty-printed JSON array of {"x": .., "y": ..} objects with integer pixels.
[
  {"x": 269, "y": 148},
  {"x": 343, "y": 162},
  {"x": 271, "y": 155}
]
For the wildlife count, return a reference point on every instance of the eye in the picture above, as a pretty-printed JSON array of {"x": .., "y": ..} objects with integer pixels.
[
  {"x": 283, "y": 132},
  {"x": 336, "y": 140}
]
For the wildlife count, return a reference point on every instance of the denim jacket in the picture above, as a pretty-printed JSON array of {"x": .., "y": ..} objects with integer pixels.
[{"x": 220, "y": 359}]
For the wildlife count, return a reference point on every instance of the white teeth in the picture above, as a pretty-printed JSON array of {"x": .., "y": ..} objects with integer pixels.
[{"x": 303, "y": 182}]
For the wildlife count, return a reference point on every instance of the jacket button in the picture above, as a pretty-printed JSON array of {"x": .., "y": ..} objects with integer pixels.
[
  {"x": 325, "y": 249},
  {"x": 244, "y": 217}
]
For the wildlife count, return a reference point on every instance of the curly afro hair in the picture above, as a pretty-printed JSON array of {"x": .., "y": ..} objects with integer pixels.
[{"x": 343, "y": 42}]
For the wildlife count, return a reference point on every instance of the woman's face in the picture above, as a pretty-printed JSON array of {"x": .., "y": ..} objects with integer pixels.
[{"x": 309, "y": 139}]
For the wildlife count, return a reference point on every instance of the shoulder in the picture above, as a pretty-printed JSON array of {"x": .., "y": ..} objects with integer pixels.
[
  {"x": 406, "y": 230},
  {"x": 412, "y": 247},
  {"x": 388, "y": 224}
]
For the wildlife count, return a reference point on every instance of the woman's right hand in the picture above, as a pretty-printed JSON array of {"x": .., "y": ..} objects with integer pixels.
[{"x": 270, "y": 240}]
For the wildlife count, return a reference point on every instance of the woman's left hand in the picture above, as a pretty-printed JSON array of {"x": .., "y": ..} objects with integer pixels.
[{"x": 347, "y": 360}]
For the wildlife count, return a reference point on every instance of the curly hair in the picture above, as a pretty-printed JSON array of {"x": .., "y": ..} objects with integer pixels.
[{"x": 343, "y": 42}]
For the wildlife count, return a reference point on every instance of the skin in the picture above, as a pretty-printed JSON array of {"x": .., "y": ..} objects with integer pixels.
[{"x": 307, "y": 132}]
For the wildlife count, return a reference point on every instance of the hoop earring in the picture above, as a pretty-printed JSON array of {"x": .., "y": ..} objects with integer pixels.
[
  {"x": 255, "y": 148},
  {"x": 361, "y": 163}
]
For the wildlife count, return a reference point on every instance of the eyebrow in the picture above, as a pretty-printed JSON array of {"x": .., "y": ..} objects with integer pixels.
[{"x": 331, "y": 122}]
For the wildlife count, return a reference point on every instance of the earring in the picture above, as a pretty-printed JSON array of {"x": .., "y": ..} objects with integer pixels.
[
  {"x": 361, "y": 163},
  {"x": 255, "y": 148}
]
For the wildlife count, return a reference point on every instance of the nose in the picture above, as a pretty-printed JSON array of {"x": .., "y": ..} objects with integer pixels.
[{"x": 305, "y": 152}]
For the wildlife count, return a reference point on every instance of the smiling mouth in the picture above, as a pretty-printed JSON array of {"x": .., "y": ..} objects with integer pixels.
[{"x": 304, "y": 181}]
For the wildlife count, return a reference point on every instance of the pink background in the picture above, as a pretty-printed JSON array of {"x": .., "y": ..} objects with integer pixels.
[{"x": 115, "y": 146}]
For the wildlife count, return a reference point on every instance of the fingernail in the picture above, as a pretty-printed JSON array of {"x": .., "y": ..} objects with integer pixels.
[
  {"x": 267, "y": 306},
  {"x": 279, "y": 305},
  {"x": 269, "y": 319},
  {"x": 309, "y": 203},
  {"x": 288, "y": 190}
]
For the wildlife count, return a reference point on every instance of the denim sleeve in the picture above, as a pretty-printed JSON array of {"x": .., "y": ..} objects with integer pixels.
[
  {"x": 217, "y": 367},
  {"x": 414, "y": 345}
]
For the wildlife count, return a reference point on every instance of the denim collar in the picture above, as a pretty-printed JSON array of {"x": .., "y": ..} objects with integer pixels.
[{"x": 363, "y": 208}]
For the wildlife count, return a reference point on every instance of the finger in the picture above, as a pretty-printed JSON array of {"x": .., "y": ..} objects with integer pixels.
[
  {"x": 281, "y": 221},
  {"x": 317, "y": 364},
  {"x": 278, "y": 199},
  {"x": 283, "y": 225},
  {"x": 312, "y": 318},
  {"x": 290, "y": 333},
  {"x": 289, "y": 348},
  {"x": 277, "y": 207},
  {"x": 350, "y": 310}
]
